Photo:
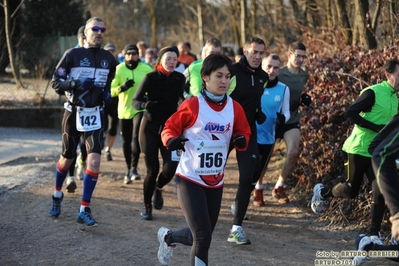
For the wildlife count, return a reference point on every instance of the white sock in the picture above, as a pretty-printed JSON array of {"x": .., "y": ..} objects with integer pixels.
[
  {"x": 82, "y": 208},
  {"x": 279, "y": 184},
  {"x": 57, "y": 194},
  {"x": 70, "y": 179},
  {"x": 257, "y": 186},
  {"x": 235, "y": 227}
]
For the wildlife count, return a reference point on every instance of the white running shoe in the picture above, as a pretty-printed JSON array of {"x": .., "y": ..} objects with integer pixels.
[
  {"x": 165, "y": 252},
  {"x": 238, "y": 236},
  {"x": 377, "y": 240},
  {"x": 394, "y": 241},
  {"x": 134, "y": 174},
  {"x": 360, "y": 243},
  {"x": 317, "y": 204},
  {"x": 71, "y": 184},
  {"x": 80, "y": 167},
  {"x": 127, "y": 179}
]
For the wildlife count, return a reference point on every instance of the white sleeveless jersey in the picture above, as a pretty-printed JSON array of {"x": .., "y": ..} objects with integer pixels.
[{"x": 205, "y": 157}]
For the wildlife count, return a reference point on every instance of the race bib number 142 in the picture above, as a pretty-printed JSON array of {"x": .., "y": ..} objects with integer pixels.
[{"x": 88, "y": 119}]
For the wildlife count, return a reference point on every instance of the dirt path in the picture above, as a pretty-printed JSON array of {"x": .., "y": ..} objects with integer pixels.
[{"x": 280, "y": 234}]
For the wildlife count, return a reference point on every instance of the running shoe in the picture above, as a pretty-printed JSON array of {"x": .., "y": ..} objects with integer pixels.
[
  {"x": 394, "y": 241},
  {"x": 258, "y": 198},
  {"x": 165, "y": 252},
  {"x": 127, "y": 179},
  {"x": 317, "y": 204},
  {"x": 108, "y": 155},
  {"x": 238, "y": 237},
  {"x": 86, "y": 218},
  {"x": 146, "y": 213},
  {"x": 361, "y": 242},
  {"x": 80, "y": 167},
  {"x": 71, "y": 185},
  {"x": 55, "y": 209},
  {"x": 279, "y": 193},
  {"x": 134, "y": 174},
  {"x": 158, "y": 199}
]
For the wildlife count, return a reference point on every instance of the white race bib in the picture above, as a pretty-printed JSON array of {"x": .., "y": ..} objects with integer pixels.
[
  {"x": 88, "y": 119},
  {"x": 176, "y": 155},
  {"x": 209, "y": 157}
]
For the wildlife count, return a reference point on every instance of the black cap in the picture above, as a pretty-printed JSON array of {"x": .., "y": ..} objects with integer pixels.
[{"x": 129, "y": 47}]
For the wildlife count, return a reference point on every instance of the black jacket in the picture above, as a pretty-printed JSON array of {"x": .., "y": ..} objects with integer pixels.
[
  {"x": 247, "y": 86},
  {"x": 165, "y": 91},
  {"x": 82, "y": 63}
]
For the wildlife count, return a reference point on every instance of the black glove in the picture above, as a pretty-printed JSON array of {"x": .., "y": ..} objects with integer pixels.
[
  {"x": 240, "y": 141},
  {"x": 280, "y": 118},
  {"x": 176, "y": 143},
  {"x": 107, "y": 98},
  {"x": 126, "y": 85},
  {"x": 306, "y": 99},
  {"x": 84, "y": 85},
  {"x": 260, "y": 117},
  {"x": 150, "y": 105}
]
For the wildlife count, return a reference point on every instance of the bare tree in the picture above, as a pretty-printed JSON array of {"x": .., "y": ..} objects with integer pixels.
[
  {"x": 343, "y": 21},
  {"x": 14, "y": 65},
  {"x": 363, "y": 35}
]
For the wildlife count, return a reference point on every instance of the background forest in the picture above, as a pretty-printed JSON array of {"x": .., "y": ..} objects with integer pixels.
[{"x": 329, "y": 24}]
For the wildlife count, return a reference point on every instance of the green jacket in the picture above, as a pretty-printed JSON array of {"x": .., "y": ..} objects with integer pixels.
[
  {"x": 384, "y": 108},
  {"x": 194, "y": 77},
  {"x": 125, "y": 109}
]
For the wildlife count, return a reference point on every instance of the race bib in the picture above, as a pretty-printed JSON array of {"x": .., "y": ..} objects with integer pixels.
[
  {"x": 209, "y": 157},
  {"x": 176, "y": 155},
  {"x": 88, "y": 118}
]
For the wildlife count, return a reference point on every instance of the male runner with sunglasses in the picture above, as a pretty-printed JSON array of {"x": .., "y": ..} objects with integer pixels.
[{"x": 84, "y": 75}]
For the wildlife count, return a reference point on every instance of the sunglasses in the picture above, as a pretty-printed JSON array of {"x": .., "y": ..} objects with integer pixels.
[
  {"x": 97, "y": 28},
  {"x": 131, "y": 53}
]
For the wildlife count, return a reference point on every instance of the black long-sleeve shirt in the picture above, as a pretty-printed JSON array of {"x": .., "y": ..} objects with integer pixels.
[
  {"x": 363, "y": 104},
  {"x": 166, "y": 91}
]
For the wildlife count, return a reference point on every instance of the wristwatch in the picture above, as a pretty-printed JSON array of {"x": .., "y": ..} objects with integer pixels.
[{"x": 72, "y": 84}]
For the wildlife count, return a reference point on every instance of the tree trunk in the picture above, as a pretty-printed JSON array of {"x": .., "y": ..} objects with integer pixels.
[
  {"x": 200, "y": 24},
  {"x": 377, "y": 12},
  {"x": 14, "y": 66},
  {"x": 343, "y": 21},
  {"x": 314, "y": 12},
  {"x": 329, "y": 15},
  {"x": 298, "y": 13},
  {"x": 363, "y": 36},
  {"x": 242, "y": 22},
  {"x": 235, "y": 27},
  {"x": 151, "y": 6}
]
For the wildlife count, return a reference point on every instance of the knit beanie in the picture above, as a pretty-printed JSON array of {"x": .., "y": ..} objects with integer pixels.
[
  {"x": 130, "y": 47},
  {"x": 163, "y": 51}
]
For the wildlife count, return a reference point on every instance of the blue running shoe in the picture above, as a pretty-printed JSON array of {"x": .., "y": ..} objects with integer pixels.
[
  {"x": 55, "y": 209},
  {"x": 86, "y": 218}
]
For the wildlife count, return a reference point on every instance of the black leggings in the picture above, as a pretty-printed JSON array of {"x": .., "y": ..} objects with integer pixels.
[
  {"x": 112, "y": 111},
  {"x": 355, "y": 168},
  {"x": 265, "y": 153},
  {"x": 201, "y": 207},
  {"x": 151, "y": 144},
  {"x": 130, "y": 132},
  {"x": 246, "y": 167}
]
